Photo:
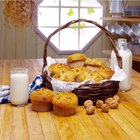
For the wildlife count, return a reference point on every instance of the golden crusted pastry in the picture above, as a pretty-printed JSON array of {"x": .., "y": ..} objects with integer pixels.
[
  {"x": 77, "y": 59},
  {"x": 58, "y": 68},
  {"x": 78, "y": 70},
  {"x": 86, "y": 75},
  {"x": 67, "y": 76},
  {"x": 64, "y": 103},
  {"x": 41, "y": 99},
  {"x": 105, "y": 72},
  {"x": 94, "y": 63}
]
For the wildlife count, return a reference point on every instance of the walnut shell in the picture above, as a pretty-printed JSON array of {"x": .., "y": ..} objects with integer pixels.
[
  {"x": 99, "y": 103},
  {"x": 90, "y": 109},
  {"x": 113, "y": 104},
  {"x": 108, "y": 100},
  {"x": 116, "y": 98},
  {"x": 88, "y": 103},
  {"x": 105, "y": 108}
]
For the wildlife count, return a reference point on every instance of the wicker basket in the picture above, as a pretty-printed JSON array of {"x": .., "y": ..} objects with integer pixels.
[{"x": 86, "y": 91}]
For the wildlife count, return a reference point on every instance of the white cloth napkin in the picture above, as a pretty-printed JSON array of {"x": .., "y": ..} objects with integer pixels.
[{"x": 4, "y": 93}]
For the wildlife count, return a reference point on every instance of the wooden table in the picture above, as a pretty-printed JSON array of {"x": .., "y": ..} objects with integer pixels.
[{"x": 21, "y": 123}]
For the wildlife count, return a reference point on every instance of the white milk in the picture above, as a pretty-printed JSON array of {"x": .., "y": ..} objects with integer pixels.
[
  {"x": 19, "y": 86},
  {"x": 126, "y": 55}
]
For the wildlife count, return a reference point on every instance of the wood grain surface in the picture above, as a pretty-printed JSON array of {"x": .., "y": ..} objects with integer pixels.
[{"x": 21, "y": 123}]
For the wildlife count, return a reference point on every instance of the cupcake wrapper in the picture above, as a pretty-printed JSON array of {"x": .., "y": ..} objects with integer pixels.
[
  {"x": 41, "y": 107},
  {"x": 63, "y": 111}
]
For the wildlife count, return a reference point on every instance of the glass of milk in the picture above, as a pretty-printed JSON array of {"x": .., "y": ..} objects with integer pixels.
[{"x": 19, "y": 86}]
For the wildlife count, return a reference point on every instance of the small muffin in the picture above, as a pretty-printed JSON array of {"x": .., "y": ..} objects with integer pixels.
[
  {"x": 94, "y": 63},
  {"x": 106, "y": 72},
  {"x": 89, "y": 75},
  {"x": 57, "y": 68},
  {"x": 77, "y": 59},
  {"x": 66, "y": 76},
  {"x": 78, "y": 71},
  {"x": 41, "y": 100},
  {"x": 64, "y": 103}
]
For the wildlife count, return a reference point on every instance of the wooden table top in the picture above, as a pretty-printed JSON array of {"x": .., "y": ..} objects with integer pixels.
[{"x": 21, "y": 123}]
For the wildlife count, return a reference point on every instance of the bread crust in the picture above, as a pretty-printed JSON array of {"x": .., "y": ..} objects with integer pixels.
[{"x": 76, "y": 57}]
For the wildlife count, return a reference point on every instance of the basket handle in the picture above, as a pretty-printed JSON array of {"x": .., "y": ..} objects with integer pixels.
[{"x": 109, "y": 35}]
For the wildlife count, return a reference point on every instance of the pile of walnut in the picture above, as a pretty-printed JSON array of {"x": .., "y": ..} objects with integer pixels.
[{"x": 109, "y": 103}]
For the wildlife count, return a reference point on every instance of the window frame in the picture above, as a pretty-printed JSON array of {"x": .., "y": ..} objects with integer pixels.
[{"x": 67, "y": 52}]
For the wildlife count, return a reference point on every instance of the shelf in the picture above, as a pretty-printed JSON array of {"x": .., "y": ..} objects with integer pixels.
[{"x": 130, "y": 19}]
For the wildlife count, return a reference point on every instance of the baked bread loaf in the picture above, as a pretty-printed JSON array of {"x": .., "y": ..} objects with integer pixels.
[
  {"x": 41, "y": 100},
  {"x": 76, "y": 59},
  {"x": 64, "y": 103},
  {"x": 94, "y": 63}
]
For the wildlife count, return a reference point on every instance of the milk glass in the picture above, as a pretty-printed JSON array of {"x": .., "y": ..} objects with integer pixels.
[{"x": 19, "y": 86}]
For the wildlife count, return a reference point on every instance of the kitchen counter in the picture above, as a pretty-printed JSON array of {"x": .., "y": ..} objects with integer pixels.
[{"x": 21, "y": 123}]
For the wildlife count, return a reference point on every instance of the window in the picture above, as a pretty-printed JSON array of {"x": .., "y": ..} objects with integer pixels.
[{"x": 54, "y": 13}]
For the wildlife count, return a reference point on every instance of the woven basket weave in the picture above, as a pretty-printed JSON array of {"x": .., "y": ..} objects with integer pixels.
[{"x": 86, "y": 91}]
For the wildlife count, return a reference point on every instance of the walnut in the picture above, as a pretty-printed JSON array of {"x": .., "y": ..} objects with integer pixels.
[
  {"x": 116, "y": 98},
  {"x": 99, "y": 103},
  {"x": 105, "y": 108},
  {"x": 113, "y": 104},
  {"x": 88, "y": 103},
  {"x": 90, "y": 109},
  {"x": 108, "y": 100}
]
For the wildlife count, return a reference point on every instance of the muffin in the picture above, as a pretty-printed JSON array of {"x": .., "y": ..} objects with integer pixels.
[
  {"x": 78, "y": 71},
  {"x": 64, "y": 103},
  {"x": 94, "y": 63},
  {"x": 57, "y": 68},
  {"x": 66, "y": 76},
  {"x": 106, "y": 72},
  {"x": 89, "y": 75},
  {"x": 41, "y": 100},
  {"x": 77, "y": 59}
]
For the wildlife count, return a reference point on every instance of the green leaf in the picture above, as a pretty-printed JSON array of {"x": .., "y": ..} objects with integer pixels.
[
  {"x": 71, "y": 12},
  {"x": 74, "y": 25},
  {"x": 82, "y": 25},
  {"x": 90, "y": 10}
]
